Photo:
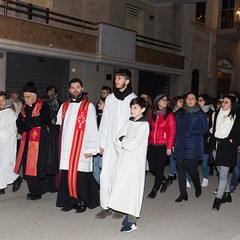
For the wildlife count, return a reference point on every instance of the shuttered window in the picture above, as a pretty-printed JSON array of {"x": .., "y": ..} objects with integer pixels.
[
  {"x": 42, "y": 71},
  {"x": 134, "y": 19}
]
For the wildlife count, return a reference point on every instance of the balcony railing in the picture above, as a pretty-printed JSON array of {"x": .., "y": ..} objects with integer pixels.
[
  {"x": 229, "y": 18},
  {"x": 43, "y": 15}
]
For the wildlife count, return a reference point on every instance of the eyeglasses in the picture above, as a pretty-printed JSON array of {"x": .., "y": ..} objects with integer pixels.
[{"x": 225, "y": 102}]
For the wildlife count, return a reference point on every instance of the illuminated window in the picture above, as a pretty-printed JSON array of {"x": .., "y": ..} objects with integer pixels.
[{"x": 200, "y": 12}]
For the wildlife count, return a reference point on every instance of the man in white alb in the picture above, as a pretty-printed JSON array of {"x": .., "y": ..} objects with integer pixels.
[
  {"x": 79, "y": 141},
  {"x": 116, "y": 113}
]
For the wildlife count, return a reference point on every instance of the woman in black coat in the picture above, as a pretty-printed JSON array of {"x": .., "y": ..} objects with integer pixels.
[{"x": 226, "y": 134}]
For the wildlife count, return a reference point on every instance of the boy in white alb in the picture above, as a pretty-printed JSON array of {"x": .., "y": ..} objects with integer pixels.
[{"x": 128, "y": 184}]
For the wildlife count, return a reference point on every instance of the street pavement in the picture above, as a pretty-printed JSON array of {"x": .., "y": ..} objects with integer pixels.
[{"x": 161, "y": 218}]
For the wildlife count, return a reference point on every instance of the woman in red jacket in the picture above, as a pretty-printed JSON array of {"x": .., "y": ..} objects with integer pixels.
[{"x": 161, "y": 139}]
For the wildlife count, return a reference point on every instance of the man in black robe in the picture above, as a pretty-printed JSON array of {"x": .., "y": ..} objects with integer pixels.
[{"x": 34, "y": 123}]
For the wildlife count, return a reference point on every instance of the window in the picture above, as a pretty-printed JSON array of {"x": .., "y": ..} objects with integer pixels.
[
  {"x": 201, "y": 12},
  {"x": 227, "y": 17}
]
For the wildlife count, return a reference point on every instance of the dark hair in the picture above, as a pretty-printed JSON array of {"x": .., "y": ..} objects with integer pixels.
[
  {"x": 103, "y": 99},
  {"x": 233, "y": 110},
  {"x": 50, "y": 88},
  {"x": 139, "y": 101},
  {"x": 234, "y": 93},
  {"x": 108, "y": 89},
  {"x": 75, "y": 80},
  {"x": 155, "y": 108},
  {"x": 175, "y": 100},
  {"x": 193, "y": 93},
  {"x": 124, "y": 72},
  {"x": 207, "y": 99},
  {"x": 2, "y": 93}
]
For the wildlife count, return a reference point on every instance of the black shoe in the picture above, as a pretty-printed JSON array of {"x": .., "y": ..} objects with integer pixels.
[
  {"x": 198, "y": 191},
  {"x": 67, "y": 208},
  {"x": 34, "y": 197},
  {"x": 216, "y": 204},
  {"x": 81, "y": 207},
  {"x": 2, "y": 191},
  {"x": 174, "y": 177},
  {"x": 226, "y": 198},
  {"x": 165, "y": 185},
  {"x": 211, "y": 170},
  {"x": 29, "y": 195},
  {"x": 183, "y": 196},
  {"x": 153, "y": 193},
  {"x": 17, "y": 184}
]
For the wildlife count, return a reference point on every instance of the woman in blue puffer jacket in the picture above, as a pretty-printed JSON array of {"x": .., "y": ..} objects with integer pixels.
[{"x": 192, "y": 124}]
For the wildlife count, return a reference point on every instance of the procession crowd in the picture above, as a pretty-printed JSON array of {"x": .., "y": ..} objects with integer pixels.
[{"x": 99, "y": 155}]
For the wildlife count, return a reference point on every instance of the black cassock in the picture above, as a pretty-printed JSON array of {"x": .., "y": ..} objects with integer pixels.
[{"x": 47, "y": 165}]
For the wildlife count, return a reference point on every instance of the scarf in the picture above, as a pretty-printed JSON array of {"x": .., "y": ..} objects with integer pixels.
[
  {"x": 224, "y": 124},
  {"x": 193, "y": 109},
  {"x": 122, "y": 95},
  {"x": 160, "y": 112}
]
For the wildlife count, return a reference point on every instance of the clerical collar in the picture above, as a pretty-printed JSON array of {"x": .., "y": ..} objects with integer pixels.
[
  {"x": 122, "y": 95},
  {"x": 77, "y": 100}
]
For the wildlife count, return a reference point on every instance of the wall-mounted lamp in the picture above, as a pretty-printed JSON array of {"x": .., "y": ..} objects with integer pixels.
[{"x": 188, "y": 59}]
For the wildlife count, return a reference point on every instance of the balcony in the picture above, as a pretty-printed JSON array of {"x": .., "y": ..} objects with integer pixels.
[
  {"x": 32, "y": 28},
  {"x": 229, "y": 24}
]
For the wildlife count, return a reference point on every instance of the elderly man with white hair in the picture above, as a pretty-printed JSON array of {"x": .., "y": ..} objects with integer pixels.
[{"x": 32, "y": 123}]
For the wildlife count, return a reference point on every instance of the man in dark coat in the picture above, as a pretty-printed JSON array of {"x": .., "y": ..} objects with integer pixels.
[{"x": 32, "y": 123}]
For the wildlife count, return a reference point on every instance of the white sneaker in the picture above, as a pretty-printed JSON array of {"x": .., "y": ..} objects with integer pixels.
[
  {"x": 204, "y": 182},
  {"x": 188, "y": 184},
  {"x": 215, "y": 191},
  {"x": 129, "y": 227}
]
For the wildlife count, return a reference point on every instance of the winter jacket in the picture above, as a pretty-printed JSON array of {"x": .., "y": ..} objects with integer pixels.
[
  {"x": 163, "y": 130},
  {"x": 226, "y": 152},
  {"x": 189, "y": 135}
]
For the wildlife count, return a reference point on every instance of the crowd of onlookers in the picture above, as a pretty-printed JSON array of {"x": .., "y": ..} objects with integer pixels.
[{"x": 188, "y": 132}]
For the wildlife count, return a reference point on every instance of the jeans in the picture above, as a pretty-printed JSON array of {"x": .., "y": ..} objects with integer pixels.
[
  {"x": 236, "y": 173},
  {"x": 97, "y": 166},
  {"x": 223, "y": 185},
  {"x": 172, "y": 167},
  {"x": 205, "y": 167}
]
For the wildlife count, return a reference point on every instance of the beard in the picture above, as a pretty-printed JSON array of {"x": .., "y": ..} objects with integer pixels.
[
  {"x": 76, "y": 95},
  {"x": 120, "y": 86}
]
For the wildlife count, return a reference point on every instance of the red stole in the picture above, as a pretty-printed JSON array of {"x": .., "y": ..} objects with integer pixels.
[
  {"x": 76, "y": 144},
  {"x": 33, "y": 144}
]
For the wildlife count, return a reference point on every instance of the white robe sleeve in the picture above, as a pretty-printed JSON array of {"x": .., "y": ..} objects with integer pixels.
[
  {"x": 59, "y": 116},
  {"x": 91, "y": 144},
  {"x": 8, "y": 126},
  {"x": 104, "y": 125},
  {"x": 131, "y": 142}
]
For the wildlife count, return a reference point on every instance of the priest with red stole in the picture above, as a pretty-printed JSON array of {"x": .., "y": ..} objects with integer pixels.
[
  {"x": 78, "y": 143},
  {"x": 32, "y": 123}
]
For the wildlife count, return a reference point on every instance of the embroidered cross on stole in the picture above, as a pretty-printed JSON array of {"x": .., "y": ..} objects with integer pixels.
[{"x": 76, "y": 145}]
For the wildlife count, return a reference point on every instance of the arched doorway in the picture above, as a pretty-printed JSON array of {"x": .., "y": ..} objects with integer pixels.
[{"x": 224, "y": 75}]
